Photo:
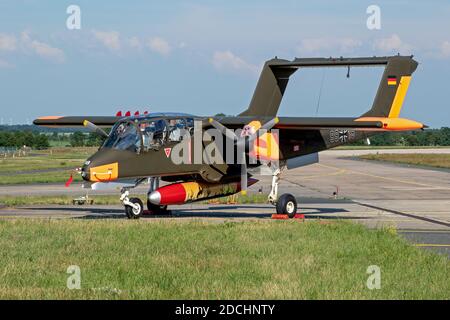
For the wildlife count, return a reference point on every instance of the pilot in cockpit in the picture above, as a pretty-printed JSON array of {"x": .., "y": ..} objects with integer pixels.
[
  {"x": 153, "y": 133},
  {"x": 176, "y": 129}
]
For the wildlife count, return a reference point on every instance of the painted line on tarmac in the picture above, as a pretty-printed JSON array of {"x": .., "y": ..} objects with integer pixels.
[
  {"x": 422, "y": 231},
  {"x": 406, "y": 214},
  {"x": 388, "y": 179},
  {"x": 431, "y": 245}
]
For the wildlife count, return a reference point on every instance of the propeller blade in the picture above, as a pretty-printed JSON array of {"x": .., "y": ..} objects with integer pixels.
[
  {"x": 224, "y": 130},
  {"x": 270, "y": 124},
  {"x": 265, "y": 127},
  {"x": 95, "y": 128}
]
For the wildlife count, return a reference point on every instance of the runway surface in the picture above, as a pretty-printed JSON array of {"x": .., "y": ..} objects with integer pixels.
[{"x": 414, "y": 200}]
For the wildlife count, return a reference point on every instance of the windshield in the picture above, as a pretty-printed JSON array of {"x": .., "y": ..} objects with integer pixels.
[
  {"x": 124, "y": 136},
  {"x": 155, "y": 133}
]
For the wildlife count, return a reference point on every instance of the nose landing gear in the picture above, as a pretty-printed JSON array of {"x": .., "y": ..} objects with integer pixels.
[{"x": 135, "y": 209}]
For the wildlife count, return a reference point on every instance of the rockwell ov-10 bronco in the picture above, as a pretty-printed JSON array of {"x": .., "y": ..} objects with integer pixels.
[{"x": 163, "y": 146}]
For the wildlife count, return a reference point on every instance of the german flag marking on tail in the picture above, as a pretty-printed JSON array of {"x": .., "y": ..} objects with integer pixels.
[
  {"x": 399, "y": 97},
  {"x": 392, "y": 80}
]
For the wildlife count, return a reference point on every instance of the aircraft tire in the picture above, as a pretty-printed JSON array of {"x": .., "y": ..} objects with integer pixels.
[
  {"x": 287, "y": 204},
  {"x": 133, "y": 213},
  {"x": 158, "y": 210}
]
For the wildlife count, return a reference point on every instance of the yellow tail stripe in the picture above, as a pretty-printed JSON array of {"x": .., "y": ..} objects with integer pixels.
[{"x": 399, "y": 97}]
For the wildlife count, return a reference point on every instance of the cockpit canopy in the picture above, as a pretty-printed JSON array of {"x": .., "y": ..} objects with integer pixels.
[{"x": 147, "y": 133}]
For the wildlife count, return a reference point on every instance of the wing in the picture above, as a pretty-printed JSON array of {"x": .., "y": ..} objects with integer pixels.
[{"x": 76, "y": 121}]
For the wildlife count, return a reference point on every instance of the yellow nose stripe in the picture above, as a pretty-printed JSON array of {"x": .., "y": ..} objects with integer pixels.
[{"x": 104, "y": 173}]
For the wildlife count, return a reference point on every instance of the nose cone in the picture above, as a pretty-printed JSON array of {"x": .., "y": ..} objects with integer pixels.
[
  {"x": 100, "y": 168},
  {"x": 85, "y": 171},
  {"x": 155, "y": 197}
]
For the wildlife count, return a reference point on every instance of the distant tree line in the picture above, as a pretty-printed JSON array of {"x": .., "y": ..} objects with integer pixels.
[
  {"x": 428, "y": 137},
  {"x": 19, "y": 139},
  {"x": 80, "y": 139}
]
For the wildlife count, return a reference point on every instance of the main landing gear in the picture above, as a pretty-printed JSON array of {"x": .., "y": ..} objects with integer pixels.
[
  {"x": 134, "y": 207},
  {"x": 286, "y": 203}
]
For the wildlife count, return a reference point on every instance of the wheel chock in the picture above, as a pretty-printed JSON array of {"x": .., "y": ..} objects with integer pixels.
[{"x": 277, "y": 216}]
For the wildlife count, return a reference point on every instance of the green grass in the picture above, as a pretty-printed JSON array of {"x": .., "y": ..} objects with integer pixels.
[
  {"x": 431, "y": 160},
  {"x": 122, "y": 259},
  {"x": 239, "y": 199},
  {"x": 14, "y": 201},
  {"x": 25, "y": 164},
  {"x": 44, "y": 177},
  {"x": 55, "y": 160}
]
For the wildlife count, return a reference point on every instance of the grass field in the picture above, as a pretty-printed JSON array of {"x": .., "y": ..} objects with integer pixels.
[
  {"x": 122, "y": 259},
  {"x": 47, "y": 166},
  {"x": 431, "y": 160},
  {"x": 13, "y": 201}
]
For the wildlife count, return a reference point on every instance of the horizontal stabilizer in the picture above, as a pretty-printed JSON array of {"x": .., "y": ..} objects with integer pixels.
[{"x": 362, "y": 124}]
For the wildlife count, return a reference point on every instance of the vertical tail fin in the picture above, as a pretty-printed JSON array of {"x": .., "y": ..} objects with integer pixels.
[
  {"x": 270, "y": 89},
  {"x": 393, "y": 87}
]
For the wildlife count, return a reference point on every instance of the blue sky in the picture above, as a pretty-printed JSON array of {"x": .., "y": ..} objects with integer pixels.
[{"x": 203, "y": 57}]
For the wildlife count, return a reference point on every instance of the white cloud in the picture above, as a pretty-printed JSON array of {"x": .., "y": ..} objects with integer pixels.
[
  {"x": 42, "y": 49},
  {"x": 227, "y": 61},
  {"x": 7, "y": 42},
  {"x": 5, "y": 64},
  {"x": 110, "y": 39},
  {"x": 393, "y": 44},
  {"x": 160, "y": 46},
  {"x": 445, "y": 49},
  {"x": 135, "y": 43},
  {"x": 328, "y": 45},
  {"x": 45, "y": 51}
]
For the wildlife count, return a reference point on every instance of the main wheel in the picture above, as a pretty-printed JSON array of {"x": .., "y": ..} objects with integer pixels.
[
  {"x": 134, "y": 213},
  {"x": 287, "y": 204},
  {"x": 158, "y": 210}
]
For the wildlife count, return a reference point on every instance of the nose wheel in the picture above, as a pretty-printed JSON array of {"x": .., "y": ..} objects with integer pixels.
[{"x": 134, "y": 209}]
